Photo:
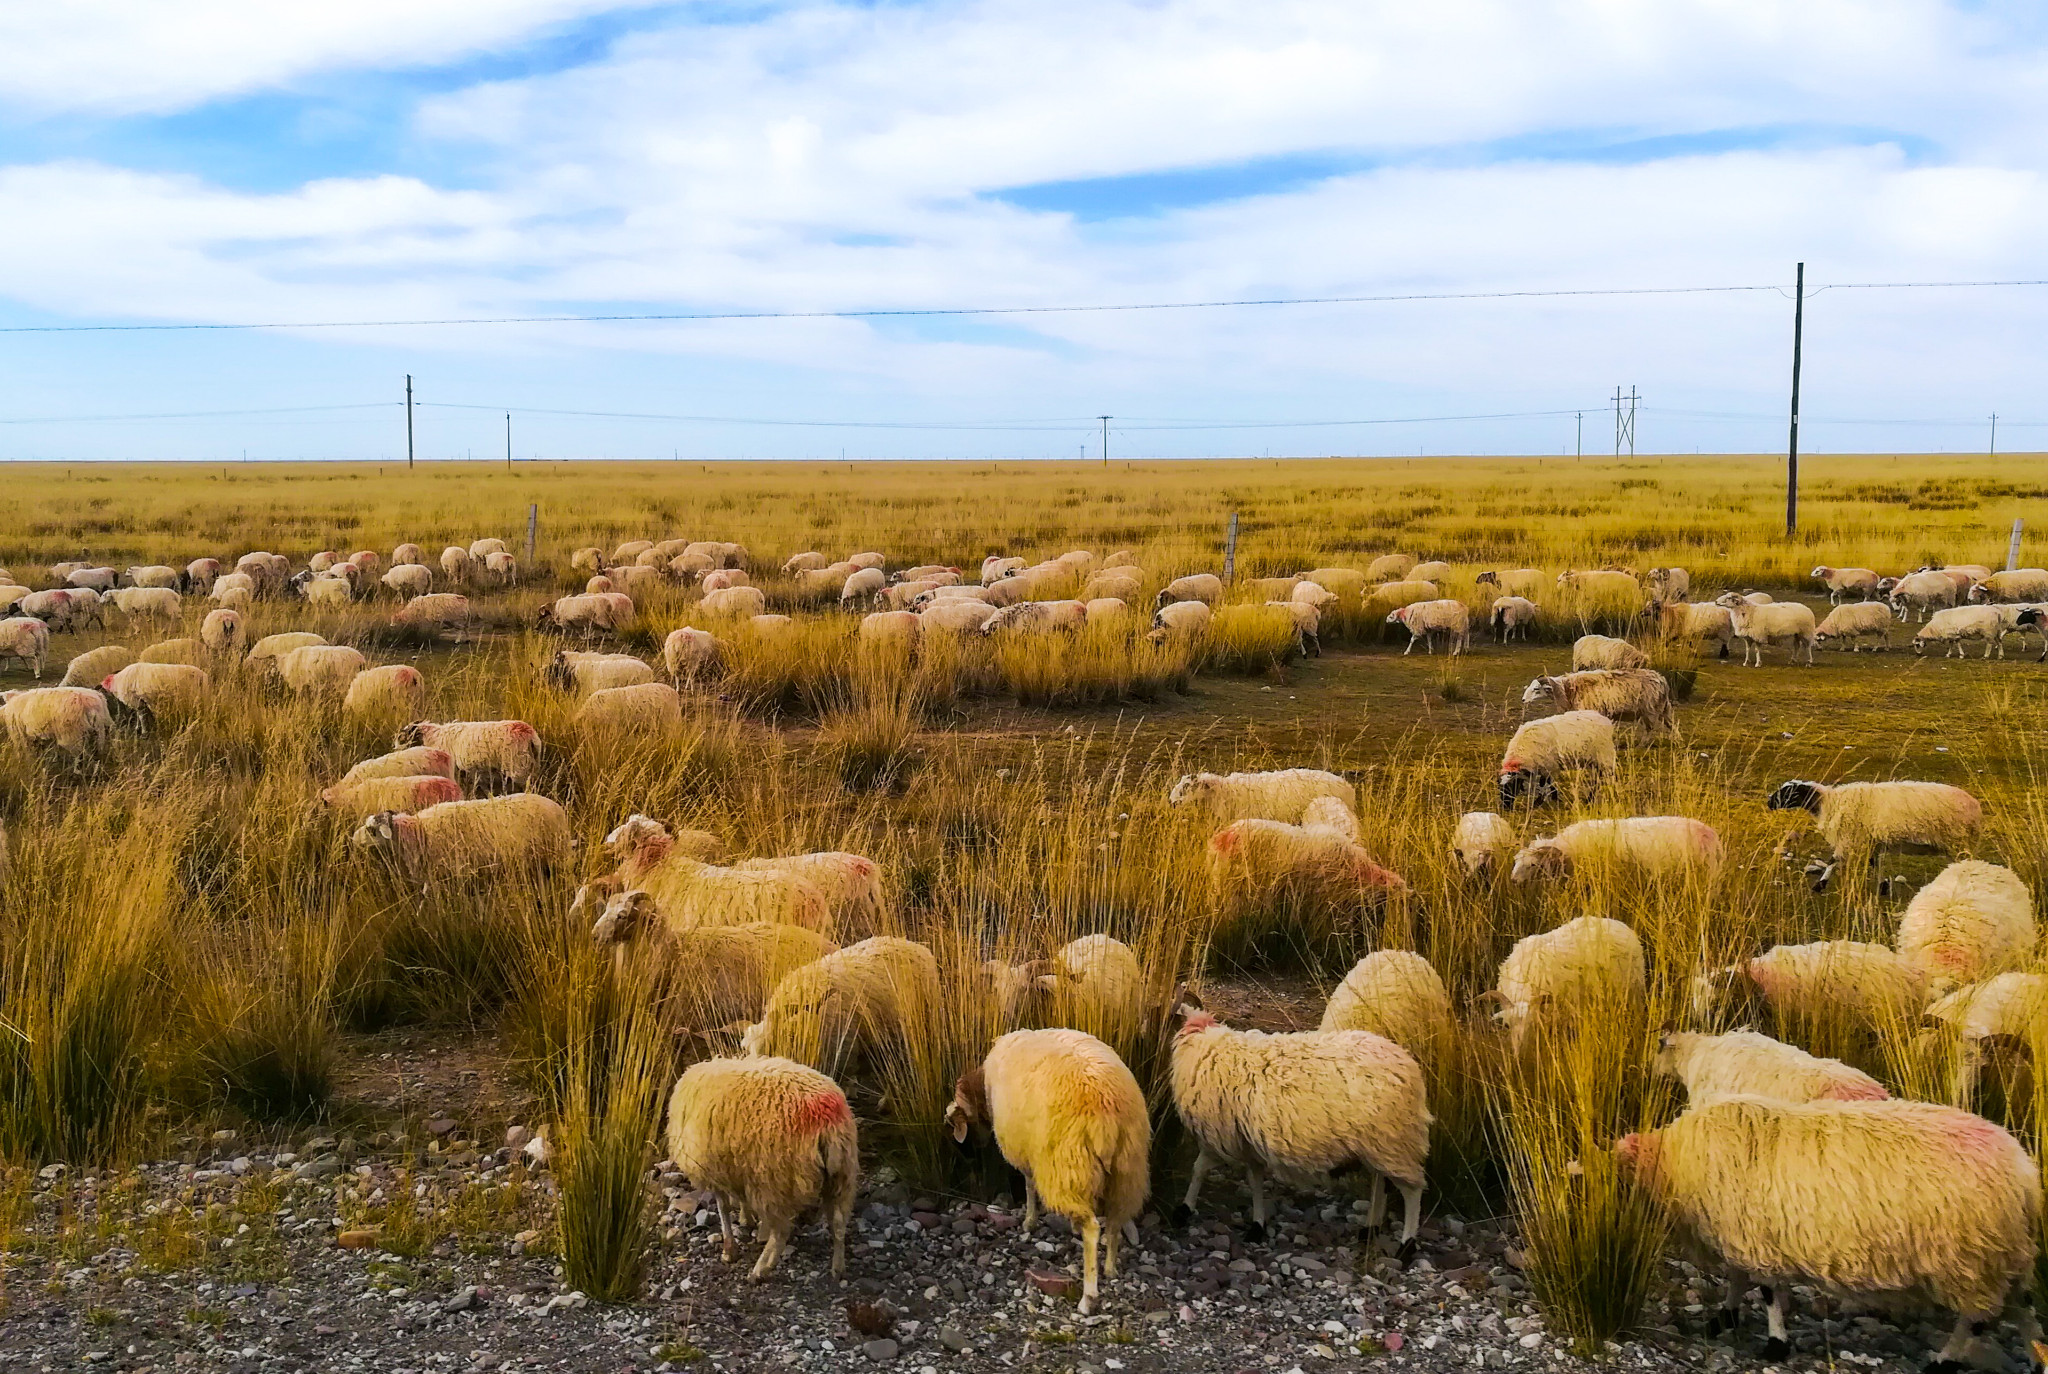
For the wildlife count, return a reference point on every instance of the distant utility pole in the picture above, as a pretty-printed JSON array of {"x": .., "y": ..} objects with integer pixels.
[
  {"x": 1105, "y": 439},
  {"x": 408, "y": 421},
  {"x": 1625, "y": 422},
  {"x": 1582, "y": 434},
  {"x": 1792, "y": 444},
  {"x": 1994, "y": 434},
  {"x": 508, "y": 441}
]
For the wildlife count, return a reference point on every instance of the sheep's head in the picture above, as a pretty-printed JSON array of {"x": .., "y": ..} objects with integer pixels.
[
  {"x": 1731, "y": 599},
  {"x": 375, "y": 834},
  {"x": 1487, "y": 579},
  {"x": 968, "y": 1111},
  {"x": 1010, "y": 984},
  {"x": 1542, "y": 689},
  {"x": 1517, "y": 783},
  {"x": 559, "y": 672},
  {"x": 1542, "y": 860},
  {"x": 544, "y": 619},
  {"x": 1190, "y": 787},
  {"x": 625, "y": 916},
  {"x": 1671, "y": 1047},
  {"x": 411, "y": 735},
  {"x": 634, "y": 833},
  {"x": 1796, "y": 796},
  {"x": 1398, "y": 617}
]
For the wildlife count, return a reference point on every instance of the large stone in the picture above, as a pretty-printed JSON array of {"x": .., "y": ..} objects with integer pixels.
[
  {"x": 881, "y": 1352},
  {"x": 1054, "y": 1284}
]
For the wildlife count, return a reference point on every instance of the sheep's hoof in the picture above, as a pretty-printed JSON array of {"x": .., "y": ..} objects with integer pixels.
[
  {"x": 1182, "y": 1216},
  {"x": 728, "y": 1255},
  {"x": 1776, "y": 1349},
  {"x": 1724, "y": 1319},
  {"x": 1405, "y": 1256},
  {"x": 1255, "y": 1231},
  {"x": 1087, "y": 1306}
]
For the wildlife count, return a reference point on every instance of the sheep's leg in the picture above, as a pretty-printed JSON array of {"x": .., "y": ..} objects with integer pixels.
[
  {"x": 1113, "y": 1246},
  {"x": 1729, "y": 1315},
  {"x": 1961, "y": 1349},
  {"x": 1091, "y": 1239},
  {"x": 1776, "y": 1346},
  {"x": 1411, "y": 1218},
  {"x": 1030, "y": 1204},
  {"x": 771, "y": 1252},
  {"x": 1376, "y": 1214},
  {"x": 1411, "y": 647},
  {"x": 1255, "y": 1181},
  {"x": 731, "y": 1250},
  {"x": 1204, "y": 1161}
]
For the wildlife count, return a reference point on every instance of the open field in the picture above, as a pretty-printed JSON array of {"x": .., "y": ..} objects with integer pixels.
[{"x": 192, "y": 946}]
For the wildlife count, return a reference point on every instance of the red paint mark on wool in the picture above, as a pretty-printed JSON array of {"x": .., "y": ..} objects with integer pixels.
[
  {"x": 1855, "y": 1092},
  {"x": 1225, "y": 840},
  {"x": 1769, "y": 977},
  {"x": 816, "y": 1112},
  {"x": 1511, "y": 766},
  {"x": 1975, "y": 1138},
  {"x": 519, "y": 729},
  {"x": 1197, "y": 1021}
]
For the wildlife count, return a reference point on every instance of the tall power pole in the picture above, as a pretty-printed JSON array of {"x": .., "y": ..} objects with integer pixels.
[
  {"x": 1994, "y": 434},
  {"x": 1105, "y": 439},
  {"x": 1582, "y": 434},
  {"x": 1625, "y": 422},
  {"x": 1792, "y": 444},
  {"x": 508, "y": 441},
  {"x": 408, "y": 421}
]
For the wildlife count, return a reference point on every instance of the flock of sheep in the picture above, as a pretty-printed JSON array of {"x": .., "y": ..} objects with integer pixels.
[{"x": 1774, "y": 1167}]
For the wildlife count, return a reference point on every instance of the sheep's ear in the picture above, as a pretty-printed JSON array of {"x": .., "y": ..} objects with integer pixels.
[
  {"x": 956, "y": 1120},
  {"x": 1492, "y": 997},
  {"x": 2003, "y": 1043}
]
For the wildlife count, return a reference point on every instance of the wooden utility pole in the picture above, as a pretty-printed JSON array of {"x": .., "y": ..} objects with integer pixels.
[
  {"x": 1230, "y": 550},
  {"x": 508, "y": 441},
  {"x": 1105, "y": 439},
  {"x": 1792, "y": 444},
  {"x": 408, "y": 422}
]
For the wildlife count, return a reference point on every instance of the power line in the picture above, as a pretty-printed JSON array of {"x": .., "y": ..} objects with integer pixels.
[{"x": 192, "y": 414}]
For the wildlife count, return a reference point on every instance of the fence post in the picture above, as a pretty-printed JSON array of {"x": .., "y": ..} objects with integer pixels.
[
  {"x": 2012, "y": 550},
  {"x": 1230, "y": 551},
  {"x": 532, "y": 530}
]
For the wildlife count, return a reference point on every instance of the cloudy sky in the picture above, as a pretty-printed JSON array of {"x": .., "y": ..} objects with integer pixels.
[{"x": 224, "y": 161}]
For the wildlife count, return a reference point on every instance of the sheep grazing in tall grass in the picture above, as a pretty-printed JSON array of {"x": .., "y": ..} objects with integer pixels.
[
  {"x": 1394, "y": 993},
  {"x": 1281, "y": 795},
  {"x": 773, "y": 1136},
  {"x": 1068, "y": 1115},
  {"x": 1846, "y": 991},
  {"x": 1604, "y": 651},
  {"x": 1483, "y": 840},
  {"x": 69, "y": 721},
  {"x": 1591, "y": 967},
  {"x": 1540, "y": 750},
  {"x": 148, "y": 694},
  {"x": 1672, "y": 848},
  {"x": 1744, "y": 1063},
  {"x": 849, "y": 1008},
  {"x": 1094, "y": 984},
  {"x": 94, "y": 666},
  {"x": 692, "y": 892},
  {"x": 1862, "y": 820},
  {"x": 1973, "y": 922},
  {"x": 523, "y": 832},
  {"x": 386, "y": 694},
  {"x": 1641, "y": 695},
  {"x": 1204, "y": 587},
  {"x": 723, "y": 974},
  {"x": 1782, "y": 1193},
  {"x": 1305, "y": 1107},
  {"x": 1523, "y": 583},
  {"x": 488, "y": 754}
]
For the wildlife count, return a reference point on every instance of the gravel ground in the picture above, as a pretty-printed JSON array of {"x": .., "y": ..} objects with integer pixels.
[{"x": 270, "y": 1261}]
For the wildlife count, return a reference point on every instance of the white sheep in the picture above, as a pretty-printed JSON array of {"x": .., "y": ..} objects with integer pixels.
[
  {"x": 273, "y": 647},
  {"x": 644, "y": 708},
  {"x": 573, "y": 670},
  {"x": 1389, "y": 567},
  {"x": 957, "y": 615},
  {"x": 1638, "y": 694},
  {"x": 392, "y": 692},
  {"x": 1541, "y": 749},
  {"x": 1282, "y": 795},
  {"x": 408, "y": 556},
  {"x": 1854, "y": 622},
  {"x": 1094, "y": 984},
  {"x": 408, "y": 580},
  {"x": 1766, "y": 626},
  {"x": 437, "y": 611},
  {"x": 1336, "y": 582},
  {"x": 690, "y": 654},
  {"x": 1864, "y": 819},
  {"x": 419, "y": 761},
  {"x": 1182, "y": 618},
  {"x": 1699, "y": 623},
  {"x": 523, "y": 832},
  {"x": 222, "y": 632},
  {"x": 692, "y": 892},
  {"x": 1669, "y": 584},
  {"x": 1068, "y": 1115},
  {"x": 1591, "y": 967},
  {"x": 862, "y": 582},
  {"x": 1435, "y": 570},
  {"x": 326, "y": 669},
  {"x": 1398, "y": 594},
  {"x": 734, "y": 601},
  {"x": 70, "y": 720},
  {"x": 483, "y": 548},
  {"x": 1110, "y": 608},
  {"x": 1745, "y": 1063},
  {"x": 1526, "y": 583},
  {"x": 1512, "y": 617},
  {"x": 1203, "y": 587},
  {"x": 456, "y": 564},
  {"x": 1921, "y": 592},
  {"x": 1601, "y": 584},
  {"x": 199, "y": 575},
  {"x": 486, "y": 753},
  {"x": 604, "y": 613},
  {"x": 92, "y": 667},
  {"x": 1995, "y": 1020},
  {"x": 1430, "y": 623},
  {"x": 804, "y": 562},
  {"x": 1841, "y": 582},
  {"x": 893, "y": 629},
  {"x": 1037, "y": 617},
  {"x": 1656, "y": 847},
  {"x": 95, "y": 579},
  {"x": 1483, "y": 840},
  {"x": 773, "y": 1136},
  {"x": 1973, "y": 922},
  {"x": 1394, "y": 993},
  {"x": 154, "y": 575},
  {"x": 867, "y": 560},
  {"x": 27, "y": 640},
  {"x": 2014, "y": 584},
  {"x": 1604, "y": 651},
  {"x": 152, "y": 692},
  {"x": 187, "y": 651},
  {"x": 848, "y": 1006},
  {"x": 1840, "y": 984},
  {"x": 1306, "y": 1106},
  {"x": 365, "y": 796},
  {"x": 1957, "y": 625},
  {"x": 852, "y": 884}
]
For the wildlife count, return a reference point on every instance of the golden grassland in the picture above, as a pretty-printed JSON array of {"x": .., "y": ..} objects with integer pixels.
[{"x": 186, "y": 935}]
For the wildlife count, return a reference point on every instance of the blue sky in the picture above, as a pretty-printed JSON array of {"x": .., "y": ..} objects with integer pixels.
[{"x": 225, "y": 162}]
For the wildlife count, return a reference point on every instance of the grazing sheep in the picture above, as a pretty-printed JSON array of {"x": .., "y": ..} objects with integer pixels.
[
  {"x": 571, "y": 670},
  {"x": 1068, "y": 1115},
  {"x": 604, "y": 613},
  {"x": 1854, "y": 622},
  {"x": 1744, "y": 1063},
  {"x": 365, "y": 796},
  {"x": 1782, "y": 1192},
  {"x": 1603, "y": 651},
  {"x": 322, "y": 668},
  {"x": 1526, "y": 583},
  {"x": 851, "y": 883},
  {"x": 1541, "y": 749},
  {"x": 1110, "y": 608},
  {"x": 1698, "y": 622},
  {"x": 1188, "y": 618},
  {"x": 11, "y": 596},
  {"x": 724, "y": 973},
  {"x": 588, "y": 559},
  {"x": 1864, "y": 989},
  {"x": 485, "y": 752},
  {"x": 1669, "y": 584},
  {"x": 522, "y": 831},
  {"x": 483, "y": 548},
  {"x": 1123, "y": 584},
  {"x": 895, "y": 629},
  {"x": 959, "y": 615},
  {"x": 187, "y": 651},
  {"x": 1307, "y": 1106},
  {"x": 1863, "y": 819},
  {"x": 232, "y": 595},
  {"x": 734, "y": 601},
  {"x": 27, "y": 640},
  {"x": 772, "y": 1136},
  {"x": 329, "y": 591},
  {"x": 222, "y": 633},
  {"x": 1842, "y": 582},
  {"x": 1308, "y": 623},
  {"x": 861, "y": 582},
  {"x": 694, "y": 893},
  {"x": 1395, "y": 994},
  {"x": 1389, "y": 567},
  {"x": 59, "y": 609},
  {"x": 1339, "y": 582},
  {"x": 2016, "y": 584},
  {"x": 1973, "y": 922},
  {"x": 93, "y": 579},
  {"x": 1268, "y": 588},
  {"x": 437, "y": 611},
  {"x": 199, "y": 575},
  {"x": 408, "y": 556},
  {"x": 456, "y": 564},
  {"x": 369, "y": 560},
  {"x": 1512, "y": 617},
  {"x": 804, "y": 562},
  {"x": 1308, "y": 593},
  {"x": 152, "y": 692},
  {"x": 1038, "y": 617},
  {"x": 1957, "y": 624},
  {"x": 154, "y": 575},
  {"x": 1590, "y": 967},
  {"x": 1996, "y": 1022},
  {"x": 689, "y": 654},
  {"x": 597, "y": 584},
  {"x": 1600, "y": 585},
  {"x": 1766, "y": 625},
  {"x": 1283, "y": 795},
  {"x": 630, "y": 550},
  {"x": 868, "y": 560},
  {"x": 1435, "y": 570},
  {"x": 499, "y": 570},
  {"x": 1922, "y": 592},
  {"x": 1653, "y": 846},
  {"x": 70, "y": 720},
  {"x": 1251, "y": 859},
  {"x": 1399, "y": 594},
  {"x": 1094, "y": 984},
  {"x": 323, "y": 560},
  {"x": 1429, "y": 623},
  {"x": 1203, "y": 587},
  {"x": 849, "y": 1005},
  {"x": 272, "y": 647},
  {"x": 393, "y": 692},
  {"x": 92, "y": 667},
  {"x": 1638, "y": 694},
  {"x": 644, "y": 708},
  {"x": 408, "y": 580},
  {"x": 419, "y": 761},
  {"x": 1482, "y": 840}
]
